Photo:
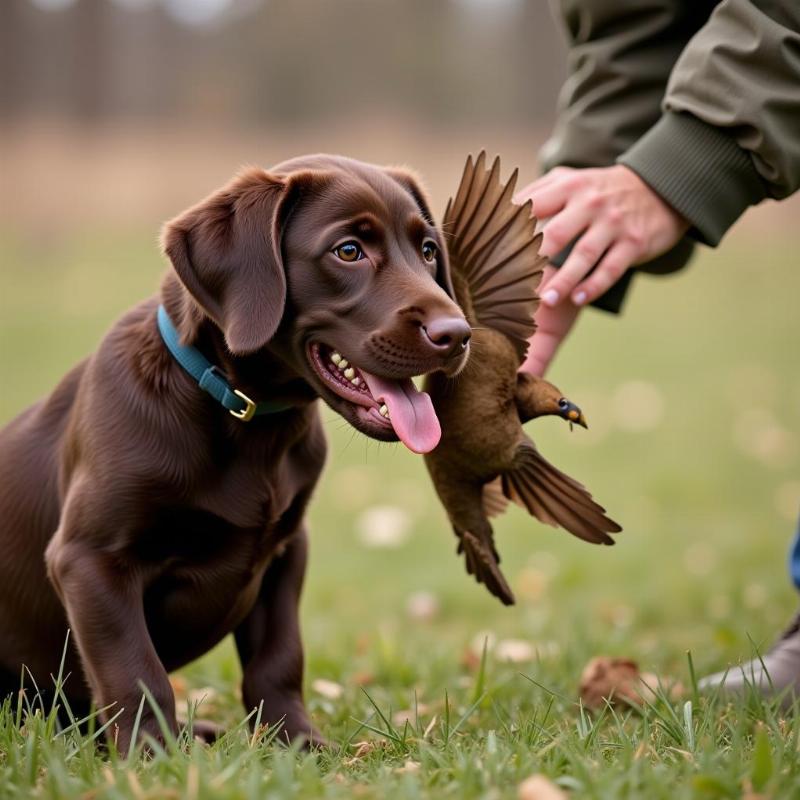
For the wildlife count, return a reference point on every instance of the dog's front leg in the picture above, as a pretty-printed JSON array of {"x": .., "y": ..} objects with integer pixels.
[
  {"x": 103, "y": 596},
  {"x": 268, "y": 641}
]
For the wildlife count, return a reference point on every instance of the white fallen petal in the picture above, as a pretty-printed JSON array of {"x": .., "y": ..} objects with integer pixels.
[
  {"x": 328, "y": 689},
  {"x": 422, "y": 605},
  {"x": 514, "y": 651},
  {"x": 384, "y": 526}
]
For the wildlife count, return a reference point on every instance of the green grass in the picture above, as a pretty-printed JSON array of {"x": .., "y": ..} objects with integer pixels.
[{"x": 692, "y": 401}]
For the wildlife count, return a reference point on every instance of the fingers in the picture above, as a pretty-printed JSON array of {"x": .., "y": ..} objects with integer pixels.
[
  {"x": 548, "y": 201},
  {"x": 553, "y": 326},
  {"x": 549, "y": 194},
  {"x": 615, "y": 220},
  {"x": 564, "y": 227},
  {"x": 527, "y": 192},
  {"x": 610, "y": 269},
  {"x": 540, "y": 353},
  {"x": 585, "y": 254}
]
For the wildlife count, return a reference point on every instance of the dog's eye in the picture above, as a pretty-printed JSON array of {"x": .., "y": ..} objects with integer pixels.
[
  {"x": 429, "y": 252},
  {"x": 349, "y": 251}
]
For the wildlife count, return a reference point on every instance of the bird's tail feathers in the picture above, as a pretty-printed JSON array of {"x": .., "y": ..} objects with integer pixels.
[
  {"x": 481, "y": 561},
  {"x": 554, "y": 498}
]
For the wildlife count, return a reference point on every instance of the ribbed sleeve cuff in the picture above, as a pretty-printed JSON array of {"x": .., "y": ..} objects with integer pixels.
[{"x": 699, "y": 170}]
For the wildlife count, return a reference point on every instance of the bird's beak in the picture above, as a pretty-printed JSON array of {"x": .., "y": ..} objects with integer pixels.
[{"x": 572, "y": 413}]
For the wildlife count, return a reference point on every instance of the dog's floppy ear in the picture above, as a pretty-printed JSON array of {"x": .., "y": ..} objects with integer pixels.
[
  {"x": 226, "y": 251},
  {"x": 411, "y": 183}
]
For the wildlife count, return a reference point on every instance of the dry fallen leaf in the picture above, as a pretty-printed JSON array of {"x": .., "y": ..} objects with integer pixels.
[
  {"x": 470, "y": 659},
  {"x": 618, "y": 680},
  {"x": 363, "y": 678},
  {"x": 428, "y": 730},
  {"x": 363, "y": 749},
  {"x": 538, "y": 787}
]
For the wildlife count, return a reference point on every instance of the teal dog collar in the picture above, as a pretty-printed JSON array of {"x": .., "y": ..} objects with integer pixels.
[{"x": 210, "y": 378}]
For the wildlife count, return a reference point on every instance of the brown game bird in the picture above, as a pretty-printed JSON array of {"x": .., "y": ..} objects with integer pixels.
[{"x": 484, "y": 459}]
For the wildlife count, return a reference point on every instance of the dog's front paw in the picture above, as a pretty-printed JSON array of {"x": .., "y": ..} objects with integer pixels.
[
  {"x": 301, "y": 730},
  {"x": 290, "y": 714},
  {"x": 149, "y": 730}
]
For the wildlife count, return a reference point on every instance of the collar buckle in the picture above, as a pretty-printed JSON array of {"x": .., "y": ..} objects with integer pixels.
[{"x": 249, "y": 410}]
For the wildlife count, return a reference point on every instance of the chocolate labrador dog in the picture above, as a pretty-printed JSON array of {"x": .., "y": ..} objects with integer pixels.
[{"x": 153, "y": 510}]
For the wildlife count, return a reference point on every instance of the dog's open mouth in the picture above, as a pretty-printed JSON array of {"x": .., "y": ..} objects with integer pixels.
[{"x": 394, "y": 404}]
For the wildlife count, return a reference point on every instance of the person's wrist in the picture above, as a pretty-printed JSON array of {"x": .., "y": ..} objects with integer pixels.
[{"x": 699, "y": 170}]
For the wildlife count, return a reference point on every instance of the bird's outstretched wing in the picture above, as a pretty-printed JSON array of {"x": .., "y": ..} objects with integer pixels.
[
  {"x": 554, "y": 498},
  {"x": 494, "y": 253}
]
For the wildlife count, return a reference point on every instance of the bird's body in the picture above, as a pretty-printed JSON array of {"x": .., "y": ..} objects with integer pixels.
[
  {"x": 482, "y": 428},
  {"x": 484, "y": 459}
]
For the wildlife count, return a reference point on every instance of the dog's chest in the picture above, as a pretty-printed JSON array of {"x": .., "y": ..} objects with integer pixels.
[
  {"x": 227, "y": 531},
  {"x": 207, "y": 554},
  {"x": 205, "y": 576}
]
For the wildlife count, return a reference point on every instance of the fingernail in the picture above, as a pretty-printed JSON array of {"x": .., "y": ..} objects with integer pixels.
[
  {"x": 550, "y": 297},
  {"x": 579, "y": 299}
]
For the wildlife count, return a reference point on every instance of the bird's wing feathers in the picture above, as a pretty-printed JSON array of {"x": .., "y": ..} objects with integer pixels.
[
  {"x": 554, "y": 498},
  {"x": 494, "y": 253},
  {"x": 494, "y": 501}
]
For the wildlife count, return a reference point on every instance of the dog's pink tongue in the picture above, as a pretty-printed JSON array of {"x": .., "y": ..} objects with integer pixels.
[{"x": 410, "y": 412}]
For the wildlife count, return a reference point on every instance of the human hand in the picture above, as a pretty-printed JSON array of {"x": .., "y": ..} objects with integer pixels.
[
  {"x": 620, "y": 220},
  {"x": 552, "y": 326}
]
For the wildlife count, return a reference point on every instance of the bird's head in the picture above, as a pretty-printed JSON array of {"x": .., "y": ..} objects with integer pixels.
[
  {"x": 570, "y": 412},
  {"x": 551, "y": 402}
]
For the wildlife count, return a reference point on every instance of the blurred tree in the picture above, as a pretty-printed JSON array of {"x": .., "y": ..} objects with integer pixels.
[{"x": 277, "y": 62}]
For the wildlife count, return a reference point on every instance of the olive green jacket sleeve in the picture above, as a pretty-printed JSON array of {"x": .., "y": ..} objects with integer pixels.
[
  {"x": 729, "y": 135},
  {"x": 703, "y": 106}
]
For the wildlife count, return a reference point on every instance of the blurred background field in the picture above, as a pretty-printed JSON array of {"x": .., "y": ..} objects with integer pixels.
[{"x": 120, "y": 114}]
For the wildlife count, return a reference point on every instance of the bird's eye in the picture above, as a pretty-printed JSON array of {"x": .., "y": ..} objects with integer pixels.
[
  {"x": 429, "y": 252},
  {"x": 349, "y": 252},
  {"x": 563, "y": 403}
]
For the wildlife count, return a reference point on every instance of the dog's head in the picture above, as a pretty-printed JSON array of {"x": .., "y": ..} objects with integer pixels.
[{"x": 339, "y": 265}]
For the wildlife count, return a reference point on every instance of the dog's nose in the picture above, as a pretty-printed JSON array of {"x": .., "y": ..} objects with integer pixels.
[{"x": 449, "y": 336}]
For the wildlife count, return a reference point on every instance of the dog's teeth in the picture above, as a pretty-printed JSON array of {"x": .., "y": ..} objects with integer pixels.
[
  {"x": 356, "y": 381},
  {"x": 343, "y": 363},
  {"x": 336, "y": 358},
  {"x": 349, "y": 373},
  {"x": 384, "y": 410}
]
